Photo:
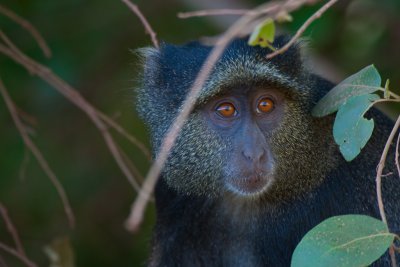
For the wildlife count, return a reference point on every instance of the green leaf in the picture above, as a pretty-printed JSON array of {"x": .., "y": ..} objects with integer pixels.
[
  {"x": 343, "y": 241},
  {"x": 264, "y": 34},
  {"x": 365, "y": 81},
  {"x": 351, "y": 130}
]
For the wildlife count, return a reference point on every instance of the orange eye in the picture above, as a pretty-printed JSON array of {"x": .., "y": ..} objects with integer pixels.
[
  {"x": 226, "y": 110},
  {"x": 265, "y": 105}
]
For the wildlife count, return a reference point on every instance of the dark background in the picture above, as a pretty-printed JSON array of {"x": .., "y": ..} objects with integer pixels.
[{"x": 92, "y": 43}]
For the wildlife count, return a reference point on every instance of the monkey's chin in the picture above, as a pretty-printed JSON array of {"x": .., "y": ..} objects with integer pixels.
[{"x": 250, "y": 186}]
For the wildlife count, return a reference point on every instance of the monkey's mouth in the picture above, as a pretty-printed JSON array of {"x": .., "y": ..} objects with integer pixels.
[{"x": 250, "y": 185}]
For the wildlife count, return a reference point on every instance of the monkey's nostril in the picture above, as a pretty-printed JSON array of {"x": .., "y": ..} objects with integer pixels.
[
  {"x": 255, "y": 155},
  {"x": 249, "y": 155}
]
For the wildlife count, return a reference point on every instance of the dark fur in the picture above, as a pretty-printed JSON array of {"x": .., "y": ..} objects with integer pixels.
[{"x": 198, "y": 223}]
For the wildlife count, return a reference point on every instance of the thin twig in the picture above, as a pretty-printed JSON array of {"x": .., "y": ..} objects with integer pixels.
[
  {"x": 132, "y": 167},
  {"x": 18, "y": 53},
  {"x": 76, "y": 98},
  {"x": 30, "y": 28},
  {"x": 214, "y": 12},
  {"x": 38, "y": 155},
  {"x": 236, "y": 12},
  {"x": 392, "y": 253},
  {"x": 18, "y": 255},
  {"x": 125, "y": 134},
  {"x": 397, "y": 154},
  {"x": 2, "y": 262},
  {"x": 301, "y": 30},
  {"x": 12, "y": 230},
  {"x": 381, "y": 165},
  {"x": 138, "y": 207},
  {"x": 24, "y": 164},
  {"x": 135, "y": 9},
  {"x": 387, "y": 174}
]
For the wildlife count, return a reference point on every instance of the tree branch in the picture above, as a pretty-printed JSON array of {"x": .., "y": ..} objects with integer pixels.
[
  {"x": 11, "y": 229},
  {"x": 226, "y": 11},
  {"x": 76, "y": 98},
  {"x": 18, "y": 255},
  {"x": 38, "y": 155},
  {"x": 381, "y": 165},
  {"x": 397, "y": 155},
  {"x": 302, "y": 29},
  {"x": 214, "y": 12},
  {"x": 29, "y": 27},
  {"x": 135, "y": 9}
]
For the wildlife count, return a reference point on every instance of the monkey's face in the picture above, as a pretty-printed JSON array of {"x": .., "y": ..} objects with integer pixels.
[
  {"x": 249, "y": 142},
  {"x": 251, "y": 133},
  {"x": 246, "y": 119}
]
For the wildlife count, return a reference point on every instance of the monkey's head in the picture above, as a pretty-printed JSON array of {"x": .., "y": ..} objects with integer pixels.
[{"x": 250, "y": 134}]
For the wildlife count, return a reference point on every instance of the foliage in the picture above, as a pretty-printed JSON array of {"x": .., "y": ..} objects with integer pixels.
[
  {"x": 343, "y": 241},
  {"x": 352, "y": 98},
  {"x": 264, "y": 34},
  {"x": 348, "y": 240}
]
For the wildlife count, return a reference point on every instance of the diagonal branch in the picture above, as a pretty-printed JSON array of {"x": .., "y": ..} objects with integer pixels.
[
  {"x": 29, "y": 27},
  {"x": 302, "y": 29},
  {"x": 12, "y": 230},
  {"x": 76, "y": 98},
  {"x": 135, "y": 9},
  {"x": 18, "y": 255},
  {"x": 38, "y": 155}
]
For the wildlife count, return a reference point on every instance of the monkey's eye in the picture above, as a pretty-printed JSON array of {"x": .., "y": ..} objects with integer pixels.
[
  {"x": 265, "y": 105},
  {"x": 226, "y": 110}
]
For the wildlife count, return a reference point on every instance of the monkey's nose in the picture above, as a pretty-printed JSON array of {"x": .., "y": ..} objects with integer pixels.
[{"x": 254, "y": 154}]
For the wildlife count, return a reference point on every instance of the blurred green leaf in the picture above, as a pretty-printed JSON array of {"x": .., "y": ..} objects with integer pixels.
[
  {"x": 365, "y": 81},
  {"x": 284, "y": 16},
  {"x": 386, "y": 94},
  {"x": 264, "y": 34},
  {"x": 351, "y": 130},
  {"x": 343, "y": 241},
  {"x": 60, "y": 253}
]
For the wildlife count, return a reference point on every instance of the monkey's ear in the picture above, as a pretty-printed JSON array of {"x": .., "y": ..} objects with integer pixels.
[
  {"x": 148, "y": 93},
  {"x": 168, "y": 74}
]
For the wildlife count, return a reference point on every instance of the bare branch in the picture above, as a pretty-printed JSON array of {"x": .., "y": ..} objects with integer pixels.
[
  {"x": 2, "y": 262},
  {"x": 29, "y": 27},
  {"x": 76, "y": 98},
  {"x": 214, "y": 12},
  {"x": 381, "y": 165},
  {"x": 135, "y": 9},
  {"x": 300, "y": 31},
  {"x": 131, "y": 166},
  {"x": 18, "y": 255},
  {"x": 38, "y": 155},
  {"x": 397, "y": 154},
  {"x": 12, "y": 230},
  {"x": 24, "y": 164},
  {"x": 138, "y": 207},
  {"x": 125, "y": 134},
  {"x": 271, "y": 8},
  {"x": 392, "y": 253}
]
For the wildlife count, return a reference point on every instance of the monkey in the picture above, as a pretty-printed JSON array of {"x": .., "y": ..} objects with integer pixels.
[{"x": 252, "y": 171}]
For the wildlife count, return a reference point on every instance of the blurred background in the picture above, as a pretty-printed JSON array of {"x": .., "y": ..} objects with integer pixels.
[{"x": 92, "y": 43}]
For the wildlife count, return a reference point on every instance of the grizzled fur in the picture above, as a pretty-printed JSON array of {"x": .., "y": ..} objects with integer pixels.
[{"x": 198, "y": 222}]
